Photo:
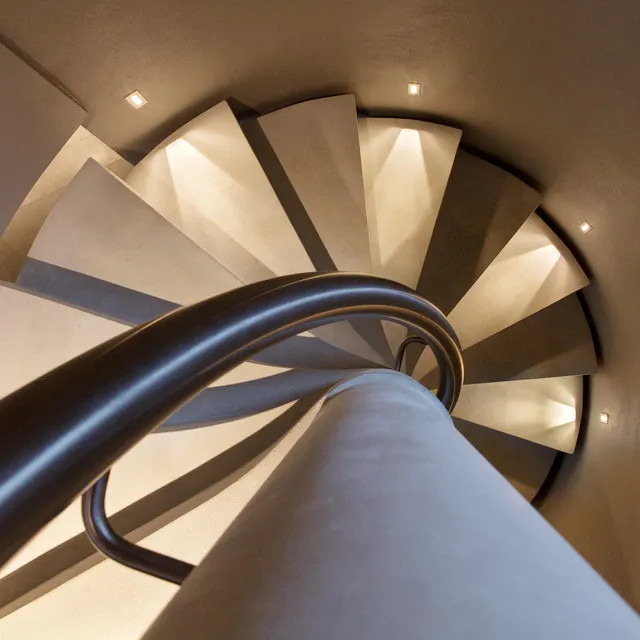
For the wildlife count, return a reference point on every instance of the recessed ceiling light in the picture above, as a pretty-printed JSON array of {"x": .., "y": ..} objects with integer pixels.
[
  {"x": 604, "y": 418},
  {"x": 136, "y": 100},
  {"x": 585, "y": 227},
  {"x": 413, "y": 88}
]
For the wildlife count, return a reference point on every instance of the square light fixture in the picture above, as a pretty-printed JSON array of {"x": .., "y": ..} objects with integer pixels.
[
  {"x": 604, "y": 418},
  {"x": 136, "y": 100},
  {"x": 413, "y": 88},
  {"x": 585, "y": 227}
]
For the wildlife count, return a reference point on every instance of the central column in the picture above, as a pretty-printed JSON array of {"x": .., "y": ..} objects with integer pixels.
[{"x": 384, "y": 523}]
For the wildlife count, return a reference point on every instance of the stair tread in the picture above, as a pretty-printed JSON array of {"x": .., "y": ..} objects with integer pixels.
[
  {"x": 210, "y": 170},
  {"x": 316, "y": 142},
  {"x": 534, "y": 270},
  {"x": 482, "y": 208},
  {"x": 551, "y": 343},
  {"x": 406, "y": 165},
  {"x": 546, "y": 411},
  {"x": 101, "y": 228},
  {"x": 310, "y": 152}
]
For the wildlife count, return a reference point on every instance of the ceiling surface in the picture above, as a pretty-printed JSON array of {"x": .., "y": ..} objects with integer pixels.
[{"x": 549, "y": 89}]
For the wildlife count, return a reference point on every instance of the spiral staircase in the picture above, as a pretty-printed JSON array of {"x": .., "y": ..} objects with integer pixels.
[{"x": 231, "y": 200}]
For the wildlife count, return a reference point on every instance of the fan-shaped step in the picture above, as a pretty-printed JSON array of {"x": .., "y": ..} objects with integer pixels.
[
  {"x": 311, "y": 153},
  {"x": 316, "y": 142},
  {"x": 104, "y": 249},
  {"x": 534, "y": 270},
  {"x": 524, "y": 464},
  {"x": 482, "y": 209},
  {"x": 406, "y": 165},
  {"x": 101, "y": 228},
  {"x": 19, "y": 236},
  {"x": 551, "y": 343},
  {"x": 546, "y": 411},
  {"x": 206, "y": 180},
  {"x": 37, "y": 335}
]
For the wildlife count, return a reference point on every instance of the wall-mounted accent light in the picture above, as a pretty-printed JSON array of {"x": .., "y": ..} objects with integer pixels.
[
  {"x": 413, "y": 88},
  {"x": 136, "y": 100},
  {"x": 585, "y": 227},
  {"x": 604, "y": 418}
]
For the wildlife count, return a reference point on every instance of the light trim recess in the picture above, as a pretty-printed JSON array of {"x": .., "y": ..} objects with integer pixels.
[
  {"x": 604, "y": 418},
  {"x": 585, "y": 227},
  {"x": 136, "y": 100},
  {"x": 414, "y": 88}
]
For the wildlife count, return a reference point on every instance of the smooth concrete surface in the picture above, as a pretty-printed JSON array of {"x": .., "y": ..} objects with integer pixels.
[
  {"x": 206, "y": 181},
  {"x": 81, "y": 146},
  {"x": 383, "y": 522},
  {"x": 36, "y": 120},
  {"x": 130, "y": 307},
  {"x": 482, "y": 208},
  {"x": 551, "y": 343},
  {"x": 19, "y": 235},
  {"x": 311, "y": 154},
  {"x": 546, "y": 411},
  {"x": 317, "y": 145},
  {"x": 534, "y": 270},
  {"x": 101, "y": 228},
  {"x": 110, "y": 601},
  {"x": 406, "y": 165},
  {"x": 524, "y": 464},
  {"x": 37, "y": 335}
]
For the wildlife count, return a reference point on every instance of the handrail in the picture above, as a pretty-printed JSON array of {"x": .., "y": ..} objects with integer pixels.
[
  {"x": 66, "y": 429},
  {"x": 403, "y": 347},
  {"x": 112, "y": 545}
]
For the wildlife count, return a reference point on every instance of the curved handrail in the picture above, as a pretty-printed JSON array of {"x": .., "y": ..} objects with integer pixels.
[
  {"x": 64, "y": 430},
  {"x": 112, "y": 545},
  {"x": 403, "y": 347}
]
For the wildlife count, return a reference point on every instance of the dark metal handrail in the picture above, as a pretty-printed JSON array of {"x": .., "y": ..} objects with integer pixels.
[
  {"x": 403, "y": 347},
  {"x": 114, "y": 546},
  {"x": 66, "y": 429}
]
